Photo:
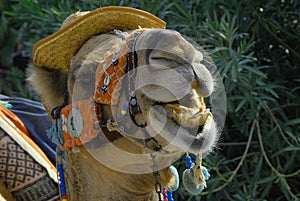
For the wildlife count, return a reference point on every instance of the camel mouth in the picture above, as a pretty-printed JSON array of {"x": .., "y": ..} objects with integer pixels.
[
  {"x": 188, "y": 118},
  {"x": 185, "y": 123}
]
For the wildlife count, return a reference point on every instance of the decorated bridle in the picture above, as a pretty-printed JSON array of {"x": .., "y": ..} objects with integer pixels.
[{"x": 80, "y": 122}]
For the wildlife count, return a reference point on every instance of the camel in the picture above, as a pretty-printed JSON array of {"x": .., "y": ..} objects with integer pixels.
[{"x": 126, "y": 97}]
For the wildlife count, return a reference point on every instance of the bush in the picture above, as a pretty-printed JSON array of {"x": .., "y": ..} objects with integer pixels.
[{"x": 255, "y": 45}]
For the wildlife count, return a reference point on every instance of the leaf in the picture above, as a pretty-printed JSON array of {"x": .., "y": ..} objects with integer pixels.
[
  {"x": 241, "y": 104},
  {"x": 258, "y": 168},
  {"x": 267, "y": 179},
  {"x": 255, "y": 71},
  {"x": 286, "y": 149},
  {"x": 292, "y": 136},
  {"x": 293, "y": 122}
]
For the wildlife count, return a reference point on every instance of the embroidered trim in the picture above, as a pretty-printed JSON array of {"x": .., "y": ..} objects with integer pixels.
[
  {"x": 110, "y": 72},
  {"x": 80, "y": 123}
]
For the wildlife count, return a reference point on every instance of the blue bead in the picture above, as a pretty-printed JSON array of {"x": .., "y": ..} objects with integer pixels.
[
  {"x": 188, "y": 158},
  {"x": 194, "y": 158},
  {"x": 60, "y": 167},
  {"x": 125, "y": 107},
  {"x": 170, "y": 194},
  {"x": 188, "y": 161},
  {"x": 122, "y": 116},
  {"x": 115, "y": 61},
  {"x": 104, "y": 88}
]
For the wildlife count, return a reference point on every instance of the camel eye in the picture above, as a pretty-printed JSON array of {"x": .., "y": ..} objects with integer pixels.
[
  {"x": 85, "y": 80},
  {"x": 86, "y": 76}
]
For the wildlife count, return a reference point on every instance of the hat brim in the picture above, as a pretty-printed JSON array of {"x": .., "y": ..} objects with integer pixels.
[{"x": 56, "y": 50}]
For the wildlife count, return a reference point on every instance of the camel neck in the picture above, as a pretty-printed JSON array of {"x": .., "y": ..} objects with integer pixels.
[{"x": 87, "y": 179}]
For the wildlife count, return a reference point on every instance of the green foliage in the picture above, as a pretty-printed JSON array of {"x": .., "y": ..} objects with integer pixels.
[
  {"x": 16, "y": 80},
  {"x": 259, "y": 151},
  {"x": 255, "y": 45},
  {"x": 8, "y": 37},
  {"x": 7, "y": 40}
]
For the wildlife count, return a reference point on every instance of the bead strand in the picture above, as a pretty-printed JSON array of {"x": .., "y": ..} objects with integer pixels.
[
  {"x": 62, "y": 184},
  {"x": 168, "y": 195},
  {"x": 188, "y": 161},
  {"x": 61, "y": 176},
  {"x": 123, "y": 111}
]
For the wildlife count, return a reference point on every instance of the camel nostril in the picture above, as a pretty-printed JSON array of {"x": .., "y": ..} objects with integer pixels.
[
  {"x": 204, "y": 80},
  {"x": 205, "y": 89}
]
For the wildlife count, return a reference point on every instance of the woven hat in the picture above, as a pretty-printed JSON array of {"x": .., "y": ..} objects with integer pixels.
[{"x": 56, "y": 50}]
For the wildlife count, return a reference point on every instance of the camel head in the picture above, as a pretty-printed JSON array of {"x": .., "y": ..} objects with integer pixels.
[{"x": 133, "y": 96}]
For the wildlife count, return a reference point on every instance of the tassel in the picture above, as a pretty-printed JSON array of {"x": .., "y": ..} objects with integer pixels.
[
  {"x": 55, "y": 133},
  {"x": 194, "y": 178}
]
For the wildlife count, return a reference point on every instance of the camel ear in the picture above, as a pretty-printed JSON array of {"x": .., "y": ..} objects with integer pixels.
[{"x": 50, "y": 84}]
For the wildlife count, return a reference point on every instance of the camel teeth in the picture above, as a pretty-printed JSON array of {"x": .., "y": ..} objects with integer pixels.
[{"x": 189, "y": 118}]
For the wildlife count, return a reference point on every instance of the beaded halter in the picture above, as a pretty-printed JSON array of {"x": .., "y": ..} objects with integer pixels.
[{"x": 80, "y": 122}]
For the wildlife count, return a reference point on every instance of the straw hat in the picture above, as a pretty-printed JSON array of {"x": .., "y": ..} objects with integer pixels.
[{"x": 56, "y": 50}]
